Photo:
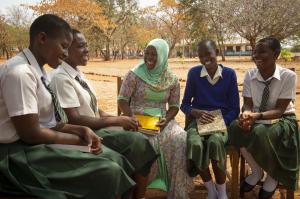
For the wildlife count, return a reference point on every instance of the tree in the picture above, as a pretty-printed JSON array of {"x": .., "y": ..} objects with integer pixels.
[
  {"x": 19, "y": 20},
  {"x": 5, "y": 38},
  {"x": 117, "y": 13},
  {"x": 210, "y": 18},
  {"x": 196, "y": 26},
  {"x": 171, "y": 26},
  {"x": 84, "y": 15},
  {"x": 81, "y": 14},
  {"x": 259, "y": 18}
]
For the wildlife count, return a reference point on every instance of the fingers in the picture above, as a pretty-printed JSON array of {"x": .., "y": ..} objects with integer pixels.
[
  {"x": 96, "y": 146},
  {"x": 206, "y": 118},
  {"x": 96, "y": 150},
  {"x": 162, "y": 122}
]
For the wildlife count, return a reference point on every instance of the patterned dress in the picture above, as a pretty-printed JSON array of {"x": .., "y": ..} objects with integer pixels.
[{"x": 172, "y": 140}]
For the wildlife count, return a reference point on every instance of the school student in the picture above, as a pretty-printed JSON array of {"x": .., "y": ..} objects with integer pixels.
[
  {"x": 209, "y": 87},
  {"x": 31, "y": 118},
  {"x": 267, "y": 130},
  {"x": 78, "y": 100}
]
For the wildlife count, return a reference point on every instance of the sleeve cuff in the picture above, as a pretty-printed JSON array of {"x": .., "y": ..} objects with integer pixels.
[
  {"x": 174, "y": 105},
  {"x": 123, "y": 98}
]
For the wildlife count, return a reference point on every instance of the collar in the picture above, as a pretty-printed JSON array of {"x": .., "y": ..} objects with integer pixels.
[
  {"x": 33, "y": 62},
  {"x": 258, "y": 76},
  {"x": 70, "y": 70},
  {"x": 218, "y": 72}
]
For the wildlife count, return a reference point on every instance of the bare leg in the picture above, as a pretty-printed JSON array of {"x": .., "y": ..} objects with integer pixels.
[
  {"x": 141, "y": 186},
  {"x": 205, "y": 175},
  {"x": 220, "y": 175},
  {"x": 209, "y": 184}
]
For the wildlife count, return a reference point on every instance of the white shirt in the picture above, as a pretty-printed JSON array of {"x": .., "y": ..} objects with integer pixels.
[
  {"x": 22, "y": 92},
  {"x": 216, "y": 77},
  {"x": 69, "y": 92},
  {"x": 283, "y": 86}
]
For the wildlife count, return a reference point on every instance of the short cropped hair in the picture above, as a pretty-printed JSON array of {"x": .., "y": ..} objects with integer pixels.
[
  {"x": 50, "y": 24},
  {"x": 272, "y": 42},
  {"x": 207, "y": 42}
]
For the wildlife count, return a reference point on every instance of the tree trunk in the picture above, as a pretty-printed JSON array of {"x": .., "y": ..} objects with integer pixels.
[
  {"x": 171, "y": 49},
  {"x": 221, "y": 48},
  {"x": 252, "y": 41},
  {"x": 6, "y": 53},
  {"x": 107, "y": 50}
]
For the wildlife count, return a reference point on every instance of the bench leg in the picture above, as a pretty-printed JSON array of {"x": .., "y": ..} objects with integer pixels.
[
  {"x": 242, "y": 173},
  {"x": 290, "y": 194},
  {"x": 235, "y": 175}
]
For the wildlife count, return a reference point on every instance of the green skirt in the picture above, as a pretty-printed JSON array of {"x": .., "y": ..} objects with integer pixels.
[
  {"x": 201, "y": 149},
  {"x": 48, "y": 173},
  {"x": 133, "y": 145},
  {"x": 275, "y": 147}
]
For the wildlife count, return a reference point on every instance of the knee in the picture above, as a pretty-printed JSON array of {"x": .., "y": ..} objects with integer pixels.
[
  {"x": 234, "y": 127},
  {"x": 114, "y": 170},
  {"x": 260, "y": 133},
  {"x": 179, "y": 137},
  {"x": 138, "y": 137},
  {"x": 215, "y": 140},
  {"x": 195, "y": 143}
]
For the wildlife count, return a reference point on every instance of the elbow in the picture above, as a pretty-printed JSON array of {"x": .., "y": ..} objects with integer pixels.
[{"x": 30, "y": 138}]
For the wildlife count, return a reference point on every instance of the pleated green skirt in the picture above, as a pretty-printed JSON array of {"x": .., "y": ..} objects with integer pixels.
[
  {"x": 275, "y": 147},
  {"x": 202, "y": 149},
  {"x": 50, "y": 173},
  {"x": 133, "y": 145}
]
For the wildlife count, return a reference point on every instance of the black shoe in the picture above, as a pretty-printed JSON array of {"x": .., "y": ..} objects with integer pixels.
[
  {"x": 263, "y": 194},
  {"x": 246, "y": 187}
]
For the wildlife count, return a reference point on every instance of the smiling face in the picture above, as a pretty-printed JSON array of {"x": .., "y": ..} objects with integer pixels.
[
  {"x": 55, "y": 49},
  {"x": 150, "y": 57},
  {"x": 264, "y": 57},
  {"x": 78, "y": 51},
  {"x": 208, "y": 56}
]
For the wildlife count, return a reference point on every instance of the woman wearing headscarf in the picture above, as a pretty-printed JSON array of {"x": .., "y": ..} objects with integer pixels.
[{"x": 147, "y": 89}]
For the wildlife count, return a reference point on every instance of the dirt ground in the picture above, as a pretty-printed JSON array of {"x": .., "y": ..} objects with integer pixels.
[{"x": 103, "y": 77}]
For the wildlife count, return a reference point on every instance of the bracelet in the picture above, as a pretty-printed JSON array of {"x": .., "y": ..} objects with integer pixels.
[{"x": 260, "y": 116}]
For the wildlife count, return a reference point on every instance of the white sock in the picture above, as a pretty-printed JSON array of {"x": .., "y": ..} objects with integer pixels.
[
  {"x": 270, "y": 184},
  {"x": 257, "y": 171},
  {"x": 221, "y": 189},
  {"x": 211, "y": 189}
]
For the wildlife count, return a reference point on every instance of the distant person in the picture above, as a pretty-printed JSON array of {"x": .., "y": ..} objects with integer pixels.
[
  {"x": 209, "y": 87},
  {"x": 78, "y": 100},
  {"x": 270, "y": 146},
  {"x": 31, "y": 117},
  {"x": 151, "y": 89}
]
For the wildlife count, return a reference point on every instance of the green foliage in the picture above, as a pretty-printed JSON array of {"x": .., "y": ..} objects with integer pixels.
[{"x": 286, "y": 55}]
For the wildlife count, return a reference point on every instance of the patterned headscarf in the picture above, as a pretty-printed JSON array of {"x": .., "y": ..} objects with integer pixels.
[{"x": 160, "y": 77}]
